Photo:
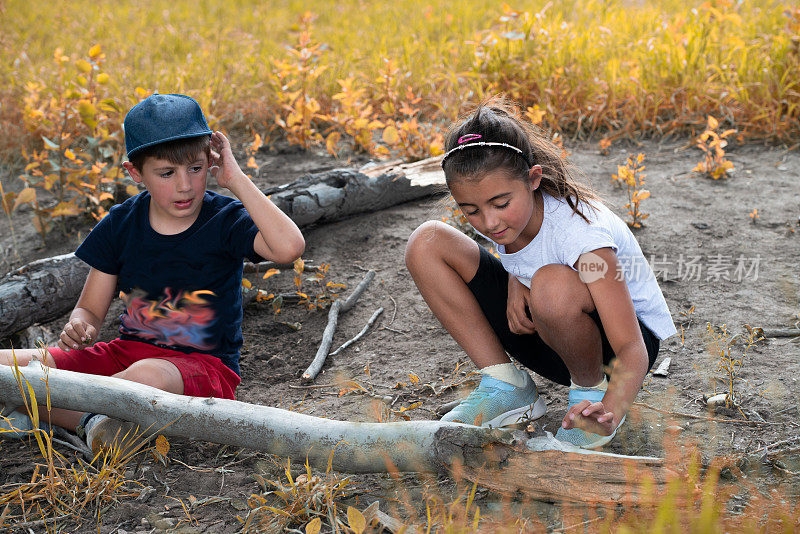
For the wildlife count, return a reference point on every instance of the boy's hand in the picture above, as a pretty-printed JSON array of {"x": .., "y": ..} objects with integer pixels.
[
  {"x": 591, "y": 417},
  {"x": 223, "y": 165},
  {"x": 517, "y": 307},
  {"x": 77, "y": 334}
]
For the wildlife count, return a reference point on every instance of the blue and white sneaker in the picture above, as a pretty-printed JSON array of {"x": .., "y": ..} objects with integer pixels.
[
  {"x": 581, "y": 438},
  {"x": 17, "y": 424},
  {"x": 495, "y": 403}
]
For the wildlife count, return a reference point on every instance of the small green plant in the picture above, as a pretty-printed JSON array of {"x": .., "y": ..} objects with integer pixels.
[
  {"x": 322, "y": 293},
  {"x": 604, "y": 146},
  {"x": 687, "y": 315},
  {"x": 455, "y": 218},
  {"x": 389, "y": 114},
  {"x": 714, "y": 164},
  {"x": 407, "y": 136},
  {"x": 10, "y": 201},
  {"x": 356, "y": 117},
  {"x": 294, "y": 80},
  {"x": 631, "y": 176},
  {"x": 77, "y": 169},
  {"x": 731, "y": 353}
]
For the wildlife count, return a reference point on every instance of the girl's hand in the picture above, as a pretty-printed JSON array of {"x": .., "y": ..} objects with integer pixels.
[
  {"x": 591, "y": 417},
  {"x": 519, "y": 298},
  {"x": 223, "y": 165},
  {"x": 77, "y": 334}
]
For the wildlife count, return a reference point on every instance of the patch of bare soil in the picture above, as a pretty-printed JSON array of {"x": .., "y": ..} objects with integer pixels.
[{"x": 709, "y": 256}]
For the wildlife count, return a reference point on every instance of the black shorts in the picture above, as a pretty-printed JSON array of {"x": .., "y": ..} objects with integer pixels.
[{"x": 490, "y": 287}]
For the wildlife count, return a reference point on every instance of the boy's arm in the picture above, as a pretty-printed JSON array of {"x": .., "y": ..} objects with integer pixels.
[
  {"x": 90, "y": 311},
  {"x": 278, "y": 238}
]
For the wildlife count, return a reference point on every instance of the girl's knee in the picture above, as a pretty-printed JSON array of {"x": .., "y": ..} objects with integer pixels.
[
  {"x": 557, "y": 292},
  {"x": 429, "y": 243},
  {"x": 435, "y": 243},
  {"x": 423, "y": 240}
]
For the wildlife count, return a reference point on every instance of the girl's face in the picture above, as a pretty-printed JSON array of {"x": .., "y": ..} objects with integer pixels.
[{"x": 501, "y": 207}]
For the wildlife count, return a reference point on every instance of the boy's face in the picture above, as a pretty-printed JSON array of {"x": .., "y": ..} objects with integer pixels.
[{"x": 176, "y": 190}]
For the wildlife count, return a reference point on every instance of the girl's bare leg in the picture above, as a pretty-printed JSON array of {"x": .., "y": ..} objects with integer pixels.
[
  {"x": 442, "y": 260},
  {"x": 560, "y": 304}
]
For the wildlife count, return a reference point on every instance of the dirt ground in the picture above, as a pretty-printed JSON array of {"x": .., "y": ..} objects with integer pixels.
[{"x": 710, "y": 257}]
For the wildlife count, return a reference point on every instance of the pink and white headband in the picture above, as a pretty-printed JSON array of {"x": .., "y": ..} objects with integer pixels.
[{"x": 464, "y": 142}]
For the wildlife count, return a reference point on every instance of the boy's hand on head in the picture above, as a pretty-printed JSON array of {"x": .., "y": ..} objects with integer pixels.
[
  {"x": 77, "y": 334},
  {"x": 223, "y": 165},
  {"x": 591, "y": 417},
  {"x": 517, "y": 307}
]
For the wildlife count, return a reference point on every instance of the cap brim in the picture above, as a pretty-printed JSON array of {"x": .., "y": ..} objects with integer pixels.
[{"x": 167, "y": 140}]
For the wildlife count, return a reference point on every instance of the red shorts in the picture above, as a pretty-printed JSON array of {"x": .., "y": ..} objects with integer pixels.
[{"x": 203, "y": 375}]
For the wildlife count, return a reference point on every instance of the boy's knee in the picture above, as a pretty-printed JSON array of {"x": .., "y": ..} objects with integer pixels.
[{"x": 156, "y": 373}]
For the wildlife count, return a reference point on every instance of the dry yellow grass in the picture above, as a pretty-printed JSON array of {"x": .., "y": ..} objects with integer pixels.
[{"x": 623, "y": 68}]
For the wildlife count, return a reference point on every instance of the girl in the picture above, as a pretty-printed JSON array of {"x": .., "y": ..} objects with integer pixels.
[{"x": 571, "y": 296}]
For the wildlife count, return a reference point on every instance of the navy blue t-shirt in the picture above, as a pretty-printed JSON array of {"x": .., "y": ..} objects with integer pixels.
[{"x": 181, "y": 291}]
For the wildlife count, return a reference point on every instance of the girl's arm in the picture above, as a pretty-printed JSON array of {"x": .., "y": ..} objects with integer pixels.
[
  {"x": 615, "y": 307},
  {"x": 517, "y": 305},
  {"x": 89, "y": 313}
]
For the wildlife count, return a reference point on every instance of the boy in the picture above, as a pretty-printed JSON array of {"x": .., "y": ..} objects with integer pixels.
[{"x": 176, "y": 253}]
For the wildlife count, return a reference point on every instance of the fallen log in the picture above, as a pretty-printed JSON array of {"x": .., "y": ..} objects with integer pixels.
[
  {"x": 334, "y": 195},
  {"x": 503, "y": 460},
  {"x": 46, "y": 289},
  {"x": 40, "y": 291}
]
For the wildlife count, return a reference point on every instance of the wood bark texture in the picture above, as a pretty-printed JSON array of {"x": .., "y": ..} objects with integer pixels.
[
  {"x": 40, "y": 291},
  {"x": 46, "y": 289},
  {"x": 500, "y": 459},
  {"x": 334, "y": 195}
]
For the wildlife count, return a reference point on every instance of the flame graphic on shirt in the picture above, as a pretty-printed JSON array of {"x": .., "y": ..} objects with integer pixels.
[{"x": 179, "y": 320}]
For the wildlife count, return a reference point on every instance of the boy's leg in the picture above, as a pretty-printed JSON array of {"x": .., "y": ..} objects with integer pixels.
[
  {"x": 442, "y": 261},
  {"x": 153, "y": 372},
  {"x": 103, "y": 432},
  {"x": 156, "y": 372},
  {"x": 63, "y": 418},
  {"x": 24, "y": 356}
]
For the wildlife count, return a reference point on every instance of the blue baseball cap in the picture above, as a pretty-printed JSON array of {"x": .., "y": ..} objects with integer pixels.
[{"x": 161, "y": 118}]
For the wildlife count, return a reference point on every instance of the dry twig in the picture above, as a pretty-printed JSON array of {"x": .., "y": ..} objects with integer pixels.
[
  {"x": 361, "y": 334},
  {"x": 249, "y": 267},
  {"x": 373, "y": 514},
  {"x": 333, "y": 318},
  {"x": 701, "y": 418}
]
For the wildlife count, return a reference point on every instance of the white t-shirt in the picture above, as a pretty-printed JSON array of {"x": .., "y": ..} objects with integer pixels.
[{"x": 564, "y": 236}]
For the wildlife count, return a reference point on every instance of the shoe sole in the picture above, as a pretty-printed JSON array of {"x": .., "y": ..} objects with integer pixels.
[{"x": 519, "y": 415}]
